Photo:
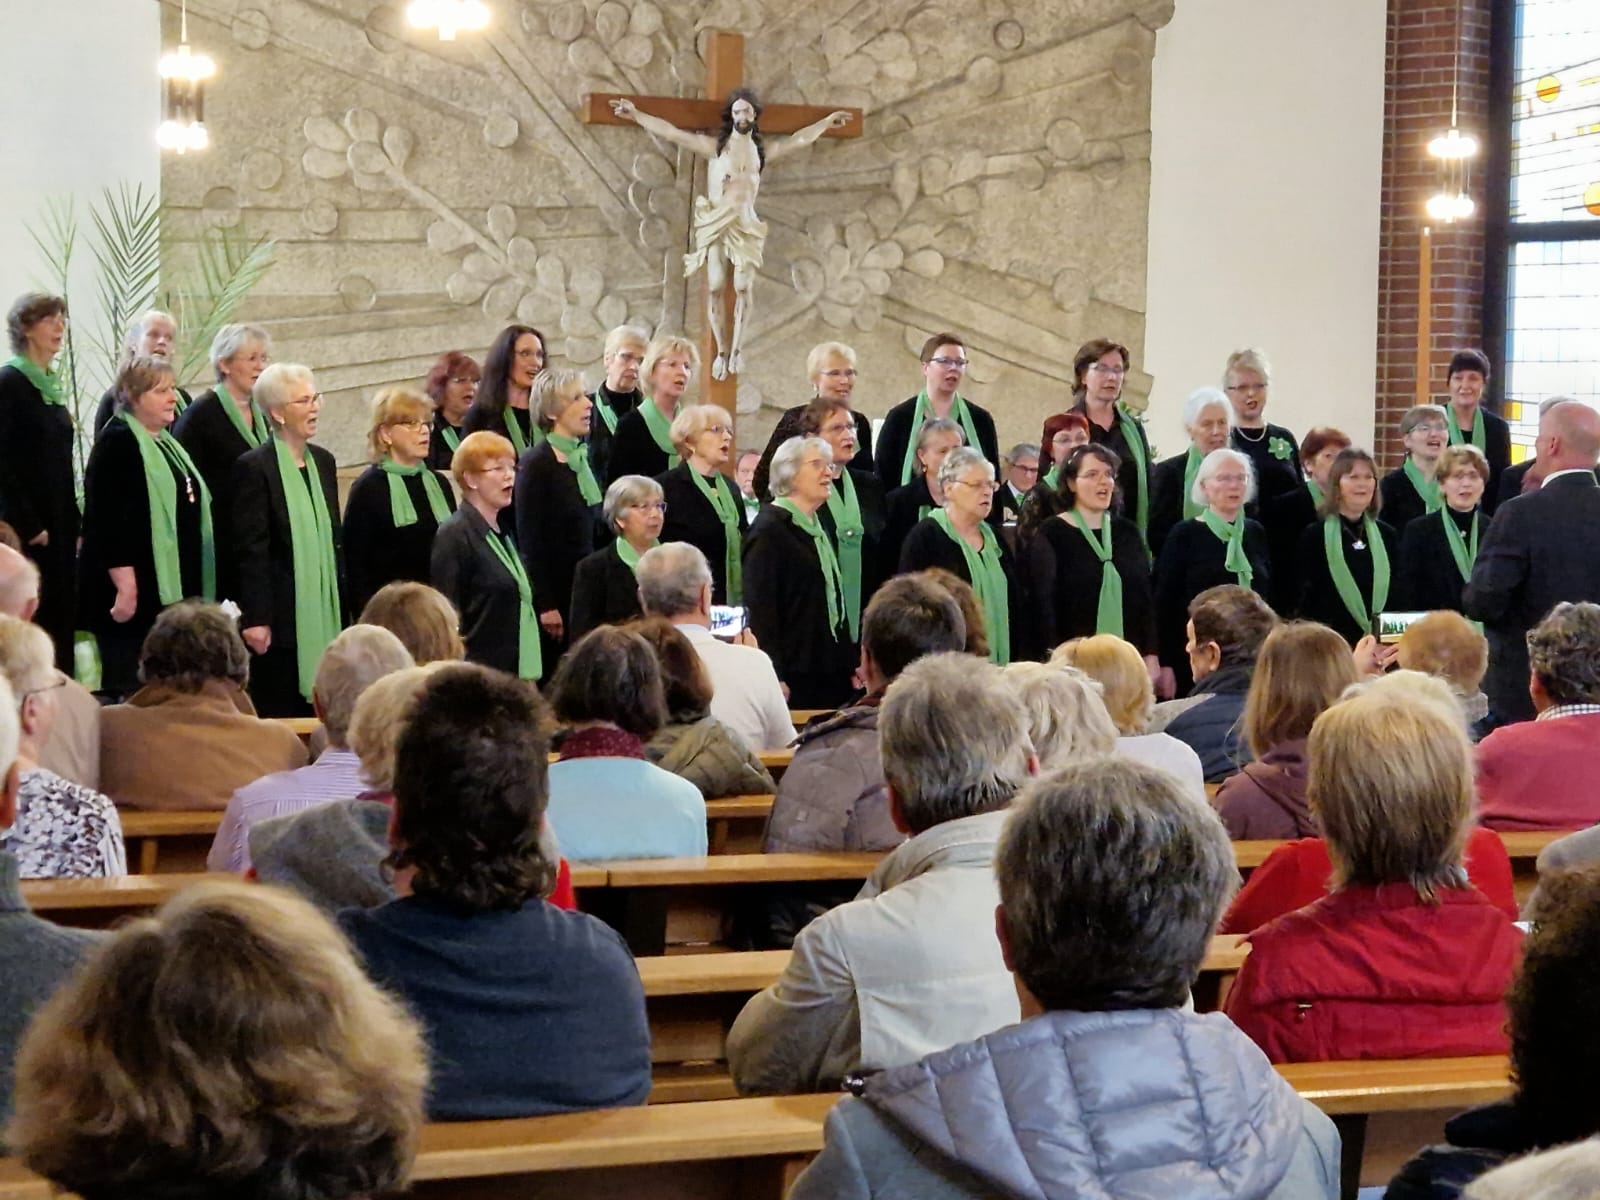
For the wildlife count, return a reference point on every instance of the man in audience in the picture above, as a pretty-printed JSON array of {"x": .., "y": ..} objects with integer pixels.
[
  {"x": 1111, "y": 882},
  {"x": 353, "y": 661},
  {"x": 1545, "y": 773},
  {"x": 744, "y": 474},
  {"x": 1227, "y": 625},
  {"x": 72, "y": 750},
  {"x": 1538, "y": 552},
  {"x": 911, "y": 965},
  {"x": 38, "y": 955},
  {"x": 528, "y": 1009},
  {"x": 1021, "y": 464},
  {"x": 675, "y": 583}
]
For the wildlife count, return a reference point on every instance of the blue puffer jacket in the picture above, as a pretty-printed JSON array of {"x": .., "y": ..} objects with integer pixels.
[
  {"x": 1213, "y": 726},
  {"x": 1145, "y": 1105}
]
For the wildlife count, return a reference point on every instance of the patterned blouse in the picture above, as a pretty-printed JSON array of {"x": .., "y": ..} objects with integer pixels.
[{"x": 64, "y": 830}]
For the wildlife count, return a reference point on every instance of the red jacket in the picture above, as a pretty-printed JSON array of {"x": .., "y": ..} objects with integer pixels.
[
  {"x": 1376, "y": 973},
  {"x": 1296, "y": 874},
  {"x": 1541, "y": 774}
]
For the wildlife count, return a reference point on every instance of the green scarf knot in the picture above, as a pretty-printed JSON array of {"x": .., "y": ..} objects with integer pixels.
[
  {"x": 921, "y": 413},
  {"x": 578, "y": 463},
  {"x": 46, "y": 380},
  {"x": 988, "y": 579},
  {"x": 401, "y": 510},
  {"x": 825, "y": 556},
  {"x": 720, "y": 496},
  {"x": 848, "y": 531},
  {"x": 628, "y": 554},
  {"x": 1427, "y": 488},
  {"x": 1463, "y": 550},
  {"x": 1191, "y": 468},
  {"x": 530, "y": 658},
  {"x": 156, "y": 452},
  {"x": 254, "y": 434},
  {"x": 660, "y": 427},
  {"x": 1476, "y": 437},
  {"x": 1232, "y": 534},
  {"x": 1344, "y": 582},
  {"x": 316, "y": 570},
  {"x": 1108, "y": 610},
  {"x": 514, "y": 431}
]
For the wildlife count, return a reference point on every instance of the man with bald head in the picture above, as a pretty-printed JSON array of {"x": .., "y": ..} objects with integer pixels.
[
  {"x": 1540, "y": 550},
  {"x": 73, "y": 749}
]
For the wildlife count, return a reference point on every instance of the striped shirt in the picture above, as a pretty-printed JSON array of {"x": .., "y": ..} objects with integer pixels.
[{"x": 336, "y": 775}]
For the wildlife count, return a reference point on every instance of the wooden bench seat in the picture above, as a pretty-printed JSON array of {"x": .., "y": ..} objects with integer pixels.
[
  {"x": 168, "y": 841},
  {"x": 735, "y": 824}
]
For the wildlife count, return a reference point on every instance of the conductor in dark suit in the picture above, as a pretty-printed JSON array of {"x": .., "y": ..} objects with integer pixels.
[{"x": 1538, "y": 553}]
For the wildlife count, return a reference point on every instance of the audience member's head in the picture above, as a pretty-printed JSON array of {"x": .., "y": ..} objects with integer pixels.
[
  {"x": 355, "y": 660},
  {"x": 967, "y": 600},
  {"x": 675, "y": 582},
  {"x": 1303, "y": 667},
  {"x": 685, "y": 683},
  {"x": 425, "y": 622},
  {"x": 1390, "y": 783},
  {"x": 1569, "y": 437},
  {"x": 1227, "y": 625},
  {"x": 230, "y": 1045},
  {"x": 1067, "y": 718},
  {"x": 471, "y": 781},
  {"x": 19, "y": 584},
  {"x": 380, "y": 717},
  {"x": 1446, "y": 645},
  {"x": 908, "y": 617},
  {"x": 1564, "y": 657},
  {"x": 1120, "y": 670},
  {"x": 1565, "y": 1173},
  {"x": 1112, "y": 880},
  {"x": 27, "y": 663},
  {"x": 193, "y": 645},
  {"x": 954, "y": 740},
  {"x": 610, "y": 678}
]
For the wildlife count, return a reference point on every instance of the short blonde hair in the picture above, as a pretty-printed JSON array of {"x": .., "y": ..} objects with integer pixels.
[
  {"x": 1249, "y": 359},
  {"x": 1301, "y": 669},
  {"x": 426, "y": 623},
  {"x": 694, "y": 420},
  {"x": 1067, "y": 717},
  {"x": 660, "y": 347},
  {"x": 554, "y": 390},
  {"x": 623, "y": 335},
  {"x": 477, "y": 452},
  {"x": 394, "y": 406},
  {"x": 380, "y": 718},
  {"x": 27, "y": 657},
  {"x": 1448, "y": 646},
  {"x": 1456, "y": 457},
  {"x": 1120, "y": 670},
  {"x": 822, "y": 352},
  {"x": 272, "y": 388}
]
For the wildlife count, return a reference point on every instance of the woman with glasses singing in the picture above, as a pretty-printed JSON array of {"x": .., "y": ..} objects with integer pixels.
[
  {"x": 831, "y": 369},
  {"x": 452, "y": 384},
  {"x": 1099, "y": 370},
  {"x": 502, "y": 403},
  {"x": 944, "y": 366},
  {"x": 1348, "y": 559},
  {"x": 396, "y": 505},
  {"x": 287, "y": 545},
  {"x": 1411, "y": 490},
  {"x": 1437, "y": 552},
  {"x": 856, "y": 513},
  {"x": 703, "y": 506},
  {"x": 604, "y": 591}
]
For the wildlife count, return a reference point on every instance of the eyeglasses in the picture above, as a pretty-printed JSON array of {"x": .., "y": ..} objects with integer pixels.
[
  {"x": 850, "y": 372},
  {"x": 305, "y": 401},
  {"x": 1247, "y": 389},
  {"x": 1022, "y": 470},
  {"x": 627, "y": 358},
  {"x": 944, "y": 360},
  {"x": 659, "y": 506},
  {"x": 1429, "y": 427},
  {"x": 1232, "y": 478},
  {"x": 462, "y": 379},
  {"x": 719, "y": 430},
  {"x": 412, "y": 424},
  {"x": 1095, "y": 477},
  {"x": 1105, "y": 370},
  {"x": 988, "y": 485},
  {"x": 837, "y": 428}
]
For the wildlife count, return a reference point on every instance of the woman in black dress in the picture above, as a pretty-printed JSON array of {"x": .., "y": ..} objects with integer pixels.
[
  {"x": 396, "y": 505},
  {"x": 150, "y": 335},
  {"x": 1411, "y": 490},
  {"x": 557, "y": 502},
  {"x": 905, "y": 506},
  {"x": 1221, "y": 545},
  {"x": 1347, "y": 558},
  {"x": 501, "y": 404},
  {"x": 38, "y": 496},
  {"x": 452, "y": 384},
  {"x": 856, "y": 514},
  {"x": 604, "y": 591},
  {"x": 1099, "y": 370},
  {"x": 476, "y": 565},
  {"x": 1085, "y": 568},
  {"x": 958, "y": 537},
  {"x": 287, "y": 534},
  {"x": 1437, "y": 551},
  {"x": 642, "y": 444},
  {"x": 1208, "y": 419},
  {"x": 791, "y": 579},
  {"x": 147, "y": 536},
  {"x": 703, "y": 506},
  {"x": 1467, "y": 379},
  {"x": 617, "y": 396},
  {"x": 223, "y": 423}
]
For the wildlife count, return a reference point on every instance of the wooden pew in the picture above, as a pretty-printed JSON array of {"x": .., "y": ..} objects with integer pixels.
[
  {"x": 735, "y": 824},
  {"x": 100, "y": 903},
  {"x": 777, "y": 761},
  {"x": 168, "y": 841},
  {"x": 302, "y": 727}
]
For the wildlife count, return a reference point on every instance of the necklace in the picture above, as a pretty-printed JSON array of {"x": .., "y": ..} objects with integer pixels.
[{"x": 1240, "y": 430}]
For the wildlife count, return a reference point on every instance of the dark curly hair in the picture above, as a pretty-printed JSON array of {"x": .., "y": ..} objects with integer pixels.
[
  {"x": 191, "y": 644},
  {"x": 471, "y": 785},
  {"x": 742, "y": 93},
  {"x": 1042, "y": 503}
]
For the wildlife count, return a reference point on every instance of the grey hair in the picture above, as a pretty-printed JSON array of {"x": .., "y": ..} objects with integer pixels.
[
  {"x": 353, "y": 662},
  {"x": 1067, "y": 717},
  {"x": 671, "y": 577},
  {"x": 693, "y": 420},
  {"x": 786, "y": 462},
  {"x": 1564, "y": 653},
  {"x": 231, "y": 339},
  {"x": 624, "y": 335},
  {"x": 27, "y": 657},
  {"x": 1021, "y": 450},
  {"x": 191, "y": 644},
  {"x": 1564, "y": 1173},
  {"x": 273, "y": 387},
  {"x": 549, "y": 386},
  {"x": 19, "y": 581},
  {"x": 954, "y": 739},
  {"x": 1247, "y": 360},
  {"x": 1212, "y": 463},
  {"x": 1112, "y": 879},
  {"x": 822, "y": 352},
  {"x": 1418, "y": 413},
  {"x": 961, "y": 459},
  {"x": 135, "y": 332},
  {"x": 626, "y": 491},
  {"x": 1550, "y": 402},
  {"x": 10, "y": 727},
  {"x": 935, "y": 425},
  {"x": 1203, "y": 398}
]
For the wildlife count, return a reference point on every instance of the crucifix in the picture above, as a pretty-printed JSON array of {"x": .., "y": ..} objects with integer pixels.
[{"x": 728, "y": 237}]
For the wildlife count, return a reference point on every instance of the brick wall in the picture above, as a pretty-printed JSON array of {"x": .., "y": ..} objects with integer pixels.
[{"x": 1416, "y": 107}]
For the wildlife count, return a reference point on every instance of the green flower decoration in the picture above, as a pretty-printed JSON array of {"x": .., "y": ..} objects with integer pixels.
[{"x": 1280, "y": 448}]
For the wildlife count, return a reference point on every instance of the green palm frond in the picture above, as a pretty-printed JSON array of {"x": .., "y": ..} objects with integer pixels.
[
  {"x": 127, "y": 255},
  {"x": 227, "y": 265}
]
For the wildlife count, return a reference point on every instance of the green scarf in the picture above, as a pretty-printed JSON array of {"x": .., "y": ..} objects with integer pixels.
[
  {"x": 156, "y": 451},
  {"x": 660, "y": 428},
  {"x": 923, "y": 410},
  {"x": 578, "y": 463},
  {"x": 451, "y": 438},
  {"x": 989, "y": 581},
  {"x": 602, "y": 405},
  {"x": 401, "y": 510},
  {"x": 1052, "y": 478},
  {"x": 1463, "y": 550},
  {"x": 530, "y": 659},
  {"x": 514, "y": 431},
  {"x": 1231, "y": 533},
  {"x": 316, "y": 572},
  {"x": 1108, "y": 613},
  {"x": 254, "y": 434},
  {"x": 47, "y": 381},
  {"x": 1315, "y": 490},
  {"x": 723, "y": 502},
  {"x": 628, "y": 554},
  {"x": 1191, "y": 468},
  {"x": 1476, "y": 437},
  {"x": 1131, "y": 435},
  {"x": 848, "y": 530},
  {"x": 825, "y": 556},
  {"x": 1428, "y": 489},
  {"x": 1344, "y": 582}
]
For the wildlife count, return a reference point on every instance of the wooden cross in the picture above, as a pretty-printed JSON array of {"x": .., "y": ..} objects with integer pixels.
[{"x": 724, "y": 71}]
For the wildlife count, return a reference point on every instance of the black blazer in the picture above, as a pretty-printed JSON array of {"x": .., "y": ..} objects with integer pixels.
[
  {"x": 375, "y": 552},
  {"x": 472, "y": 577},
  {"x": 38, "y": 493},
  {"x": 262, "y": 548},
  {"x": 1497, "y": 449},
  {"x": 1320, "y": 599},
  {"x": 1512, "y": 479},
  {"x": 784, "y": 593},
  {"x": 690, "y": 518},
  {"x": 601, "y": 438},
  {"x": 875, "y": 561},
  {"x": 1426, "y": 577},
  {"x": 214, "y": 445},
  {"x": 788, "y": 426},
  {"x": 1285, "y": 517},
  {"x": 1192, "y": 561},
  {"x": 896, "y": 435},
  {"x": 1402, "y": 503},
  {"x": 1166, "y": 498},
  {"x": 902, "y": 510},
  {"x": 479, "y": 419},
  {"x": 1062, "y": 584},
  {"x": 927, "y": 545},
  {"x": 604, "y": 592},
  {"x": 554, "y": 527},
  {"x": 1538, "y": 553},
  {"x": 633, "y": 450}
]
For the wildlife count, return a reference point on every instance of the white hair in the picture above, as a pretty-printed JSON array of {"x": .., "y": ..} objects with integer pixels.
[
  {"x": 353, "y": 662},
  {"x": 231, "y": 339},
  {"x": 624, "y": 335},
  {"x": 135, "y": 333},
  {"x": 1201, "y": 399},
  {"x": 787, "y": 459},
  {"x": 963, "y": 458},
  {"x": 671, "y": 577},
  {"x": 1214, "y": 462},
  {"x": 277, "y": 381}
]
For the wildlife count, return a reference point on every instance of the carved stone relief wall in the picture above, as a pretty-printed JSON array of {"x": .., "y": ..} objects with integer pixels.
[{"x": 425, "y": 193}]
